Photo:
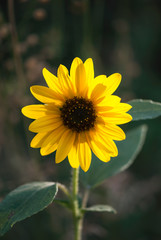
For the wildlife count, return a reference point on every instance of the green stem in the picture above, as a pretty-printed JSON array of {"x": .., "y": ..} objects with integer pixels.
[
  {"x": 77, "y": 215},
  {"x": 75, "y": 182}
]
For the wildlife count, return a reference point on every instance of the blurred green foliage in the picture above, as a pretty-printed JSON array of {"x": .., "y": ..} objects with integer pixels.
[{"x": 120, "y": 36}]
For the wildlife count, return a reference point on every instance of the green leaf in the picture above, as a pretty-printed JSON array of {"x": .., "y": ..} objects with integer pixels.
[
  {"x": 25, "y": 201},
  {"x": 128, "y": 151},
  {"x": 100, "y": 208},
  {"x": 144, "y": 109}
]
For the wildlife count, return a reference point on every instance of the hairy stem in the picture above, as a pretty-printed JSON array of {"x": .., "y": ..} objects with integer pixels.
[{"x": 77, "y": 216}]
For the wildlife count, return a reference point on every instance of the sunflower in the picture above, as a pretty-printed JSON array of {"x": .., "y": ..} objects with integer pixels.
[{"x": 79, "y": 114}]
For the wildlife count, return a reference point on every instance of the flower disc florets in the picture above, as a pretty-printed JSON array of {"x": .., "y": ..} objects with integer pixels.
[{"x": 78, "y": 114}]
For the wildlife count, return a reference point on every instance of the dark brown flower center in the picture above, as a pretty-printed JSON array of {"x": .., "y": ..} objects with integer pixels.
[{"x": 78, "y": 114}]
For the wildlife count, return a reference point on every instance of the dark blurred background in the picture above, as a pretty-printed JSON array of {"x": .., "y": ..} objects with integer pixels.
[{"x": 121, "y": 36}]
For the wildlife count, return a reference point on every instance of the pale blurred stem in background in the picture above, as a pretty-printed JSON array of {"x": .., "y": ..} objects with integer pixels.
[
  {"x": 85, "y": 198},
  {"x": 64, "y": 189},
  {"x": 89, "y": 29},
  {"x": 86, "y": 24},
  {"x": 78, "y": 214},
  {"x": 21, "y": 81},
  {"x": 84, "y": 203},
  {"x": 15, "y": 44}
]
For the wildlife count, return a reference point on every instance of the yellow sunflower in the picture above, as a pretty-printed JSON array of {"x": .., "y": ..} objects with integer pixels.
[{"x": 78, "y": 114}]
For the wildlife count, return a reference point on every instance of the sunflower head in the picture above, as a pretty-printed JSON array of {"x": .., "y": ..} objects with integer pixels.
[{"x": 78, "y": 114}]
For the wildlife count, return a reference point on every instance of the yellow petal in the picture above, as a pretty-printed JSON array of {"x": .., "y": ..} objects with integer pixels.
[
  {"x": 93, "y": 86},
  {"x": 46, "y": 151},
  {"x": 73, "y": 157},
  {"x": 62, "y": 75},
  {"x": 122, "y": 107},
  {"x": 68, "y": 89},
  {"x": 73, "y": 68},
  {"x": 112, "y": 82},
  {"x": 100, "y": 120},
  {"x": 97, "y": 92},
  {"x": 46, "y": 95},
  {"x": 45, "y": 124},
  {"x": 116, "y": 118},
  {"x": 64, "y": 145},
  {"x": 38, "y": 140},
  {"x": 39, "y": 110},
  {"x": 111, "y": 100},
  {"x": 51, "y": 80},
  {"x": 89, "y": 68},
  {"x": 51, "y": 142},
  {"x": 98, "y": 148},
  {"x": 112, "y": 111},
  {"x": 85, "y": 156},
  {"x": 53, "y": 109},
  {"x": 107, "y": 142},
  {"x": 99, "y": 80},
  {"x": 103, "y": 108},
  {"x": 115, "y": 132},
  {"x": 80, "y": 80}
]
